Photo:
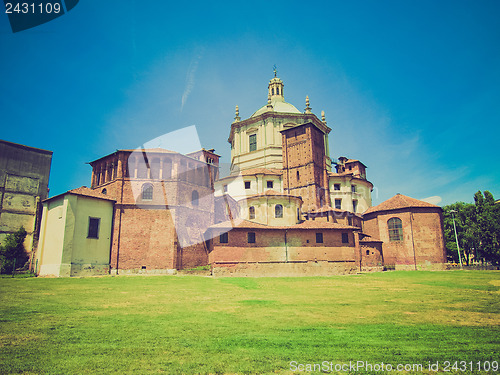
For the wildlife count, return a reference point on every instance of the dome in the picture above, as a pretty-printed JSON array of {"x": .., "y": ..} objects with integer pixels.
[
  {"x": 278, "y": 106},
  {"x": 276, "y": 99}
]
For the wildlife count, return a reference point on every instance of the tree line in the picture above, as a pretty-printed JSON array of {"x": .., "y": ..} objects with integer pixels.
[{"x": 478, "y": 230}]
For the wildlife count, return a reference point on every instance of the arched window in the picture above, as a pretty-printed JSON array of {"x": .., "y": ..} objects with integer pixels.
[
  {"x": 251, "y": 212},
  {"x": 278, "y": 211},
  {"x": 395, "y": 226},
  {"x": 147, "y": 192},
  {"x": 194, "y": 198}
]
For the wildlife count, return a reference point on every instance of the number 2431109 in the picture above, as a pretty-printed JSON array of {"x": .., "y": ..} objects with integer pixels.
[{"x": 32, "y": 8}]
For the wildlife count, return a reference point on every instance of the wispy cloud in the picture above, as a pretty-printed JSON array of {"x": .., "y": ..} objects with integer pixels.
[
  {"x": 190, "y": 76},
  {"x": 436, "y": 199}
]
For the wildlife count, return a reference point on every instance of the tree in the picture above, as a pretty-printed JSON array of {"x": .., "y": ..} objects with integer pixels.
[
  {"x": 466, "y": 224},
  {"x": 488, "y": 222},
  {"x": 12, "y": 253},
  {"x": 478, "y": 230}
]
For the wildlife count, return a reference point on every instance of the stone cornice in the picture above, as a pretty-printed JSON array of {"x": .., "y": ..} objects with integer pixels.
[{"x": 306, "y": 118}]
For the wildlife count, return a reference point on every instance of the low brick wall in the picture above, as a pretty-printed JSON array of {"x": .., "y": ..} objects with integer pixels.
[
  {"x": 280, "y": 269},
  {"x": 139, "y": 271}
]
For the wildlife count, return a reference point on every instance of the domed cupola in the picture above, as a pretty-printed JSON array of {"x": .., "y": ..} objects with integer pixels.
[
  {"x": 276, "y": 89},
  {"x": 276, "y": 99}
]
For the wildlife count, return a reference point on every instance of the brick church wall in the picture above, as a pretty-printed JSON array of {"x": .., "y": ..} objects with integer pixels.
[
  {"x": 165, "y": 232},
  {"x": 270, "y": 246},
  {"x": 423, "y": 242}
]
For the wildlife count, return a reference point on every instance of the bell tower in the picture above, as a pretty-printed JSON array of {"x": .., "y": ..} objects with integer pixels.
[{"x": 305, "y": 170}]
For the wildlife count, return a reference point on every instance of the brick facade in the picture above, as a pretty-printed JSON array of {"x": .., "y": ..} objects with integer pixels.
[
  {"x": 304, "y": 165},
  {"x": 164, "y": 204},
  {"x": 323, "y": 242},
  {"x": 420, "y": 240}
]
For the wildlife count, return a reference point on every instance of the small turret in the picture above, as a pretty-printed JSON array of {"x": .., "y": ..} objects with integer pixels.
[{"x": 308, "y": 108}]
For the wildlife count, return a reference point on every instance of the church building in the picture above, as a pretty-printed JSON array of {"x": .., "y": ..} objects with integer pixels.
[{"x": 285, "y": 209}]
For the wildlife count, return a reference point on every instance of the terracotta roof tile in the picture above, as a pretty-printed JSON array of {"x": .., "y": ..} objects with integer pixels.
[
  {"x": 369, "y": 238},
  {"x": 397, "y": 202},
  {"x": 330, "y": 209},
  {"x": 308, "y": 224},
  {"x": 85, "y": 191}
]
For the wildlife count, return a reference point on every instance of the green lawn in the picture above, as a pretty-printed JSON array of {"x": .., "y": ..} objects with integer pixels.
[{"x": 189, "y": 324}]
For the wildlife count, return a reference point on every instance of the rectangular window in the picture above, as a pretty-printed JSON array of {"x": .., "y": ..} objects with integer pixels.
[
  {"x": 345, "y": 237},
  {"x": 225, "y": 188},
  {"x": 269, "y": 184},
  {"x": 253, "y": 142},
  {"x": 223, "y": 238},
  {"x": 338, "y": 204},
  {"x": 354, "y": 206},
  {"x": 247, "y": 184},
  {"x": 319, "y": 237},
  {"x": 336, "y": 187},
  {"x": 251, "y": 237},
  {"x": 93, "y": 227},
  {"x": 353, "y": 188}
]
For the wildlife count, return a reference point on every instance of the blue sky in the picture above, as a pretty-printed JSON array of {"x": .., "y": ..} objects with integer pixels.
[{"x": 411, "y": 88}]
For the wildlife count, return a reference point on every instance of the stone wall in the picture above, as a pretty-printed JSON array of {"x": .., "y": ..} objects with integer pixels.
[{"x": 24, "y": 179}]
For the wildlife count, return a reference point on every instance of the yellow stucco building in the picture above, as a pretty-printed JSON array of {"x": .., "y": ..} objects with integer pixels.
[{"x": 75, "y": 235}]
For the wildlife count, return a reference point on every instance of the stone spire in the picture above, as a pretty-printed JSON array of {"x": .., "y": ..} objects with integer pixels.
[
  {"x": 237, "y": 118},
  {"x": 308, "y": 109},
  {"x": 269, "y": 105},
  {"x": 323, "y": 118}
]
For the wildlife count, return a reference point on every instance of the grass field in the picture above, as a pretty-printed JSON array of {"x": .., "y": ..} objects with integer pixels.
[{"x": 189, "y": 324}]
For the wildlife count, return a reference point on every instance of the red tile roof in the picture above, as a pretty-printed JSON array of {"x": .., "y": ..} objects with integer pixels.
[
  {"x": 330, "y": 209},
  {"x": 397, "y": 202},
  {"x": 308, "y": 224},
  {"x": 368, "y": 238},
  {"x": 84, "y": 191}
]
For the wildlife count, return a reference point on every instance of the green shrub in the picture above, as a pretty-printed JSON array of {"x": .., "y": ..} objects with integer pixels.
[{"x": 12, "y": 253}]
